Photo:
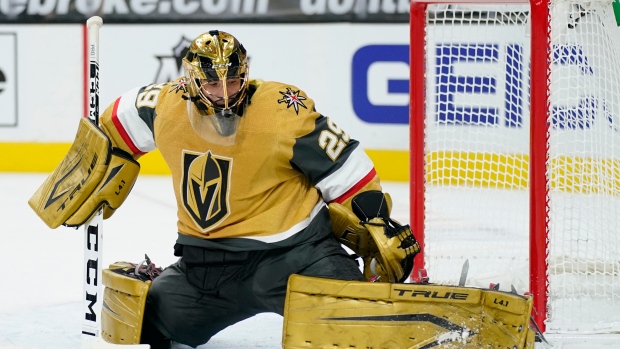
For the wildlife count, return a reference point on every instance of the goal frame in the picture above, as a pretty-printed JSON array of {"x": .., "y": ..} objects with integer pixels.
[{"x": 539, "y": 109}]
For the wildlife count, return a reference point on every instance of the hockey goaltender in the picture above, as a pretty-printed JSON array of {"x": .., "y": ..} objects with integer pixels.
[{"x": 268, "y": 190}]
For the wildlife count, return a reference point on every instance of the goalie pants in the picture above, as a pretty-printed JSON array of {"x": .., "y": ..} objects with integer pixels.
[{"x": 208, "y": 290}]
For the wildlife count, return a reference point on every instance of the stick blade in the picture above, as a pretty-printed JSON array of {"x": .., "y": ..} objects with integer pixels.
[{"x": 464, "y": 272}]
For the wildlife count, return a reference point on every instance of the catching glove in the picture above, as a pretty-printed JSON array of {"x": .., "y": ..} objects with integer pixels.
[{"x": 386, "y": 246}]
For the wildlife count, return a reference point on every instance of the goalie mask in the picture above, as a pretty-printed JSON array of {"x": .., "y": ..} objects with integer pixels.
[{"x": 216, "y": 69}]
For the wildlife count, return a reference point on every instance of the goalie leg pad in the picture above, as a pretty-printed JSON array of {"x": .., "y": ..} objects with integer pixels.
[
  {"x": 327, "y": 313},
  {"x": 124, "y": 300}
]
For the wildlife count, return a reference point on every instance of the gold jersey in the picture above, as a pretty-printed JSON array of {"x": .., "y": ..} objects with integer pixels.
[{"x": 263, "y": 190}]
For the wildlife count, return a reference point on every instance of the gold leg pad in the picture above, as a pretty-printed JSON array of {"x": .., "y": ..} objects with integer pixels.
[{"x": 124, "y": 300}]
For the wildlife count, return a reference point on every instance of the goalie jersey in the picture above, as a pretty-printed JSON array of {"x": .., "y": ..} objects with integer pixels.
[{"x": 268, "y": 189}]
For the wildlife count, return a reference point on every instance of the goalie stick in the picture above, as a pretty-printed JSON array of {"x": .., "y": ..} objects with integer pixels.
[{"x": 93, "y": 229}]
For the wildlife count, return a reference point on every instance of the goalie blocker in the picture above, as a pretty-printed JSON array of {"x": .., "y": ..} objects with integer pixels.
[
  {"x": 92, "y": 175},
  {"x": 326, "y": 313}
]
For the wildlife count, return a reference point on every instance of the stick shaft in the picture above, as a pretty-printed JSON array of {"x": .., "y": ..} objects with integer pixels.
[
  {"x": 93, "y": 287},
  {"x": 93, "y": 229}
]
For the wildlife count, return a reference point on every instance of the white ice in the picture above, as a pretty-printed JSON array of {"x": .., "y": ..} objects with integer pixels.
[
  {"x": 41, "y": 274},
  {"x": 41, "y": 278}
]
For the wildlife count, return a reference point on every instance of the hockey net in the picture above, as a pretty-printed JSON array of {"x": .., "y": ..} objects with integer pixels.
[{"x": 519, "y": 173}]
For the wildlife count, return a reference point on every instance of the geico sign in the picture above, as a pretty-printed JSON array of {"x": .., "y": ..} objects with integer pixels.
[{"x": 473, "y": 83}]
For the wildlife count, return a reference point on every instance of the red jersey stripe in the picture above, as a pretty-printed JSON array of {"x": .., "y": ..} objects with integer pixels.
[
  {"x": 354, "y": 189},
  {"x": 121, "y": 130}
]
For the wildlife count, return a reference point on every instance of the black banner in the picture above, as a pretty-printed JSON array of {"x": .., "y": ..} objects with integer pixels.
[{"x": 199, "y": 11}]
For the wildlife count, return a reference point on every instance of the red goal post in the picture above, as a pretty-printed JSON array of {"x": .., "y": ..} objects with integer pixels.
[{"x": 515, "y": 152}]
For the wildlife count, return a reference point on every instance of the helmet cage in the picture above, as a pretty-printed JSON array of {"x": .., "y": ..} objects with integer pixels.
[{"x": 216, "y": 57}]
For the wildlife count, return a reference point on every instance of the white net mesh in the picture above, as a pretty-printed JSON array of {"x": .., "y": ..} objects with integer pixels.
[
  {"x": 477, "y": 135},
  {"x": 584, "y": 160},
  {"x": 476, "y": 143}
]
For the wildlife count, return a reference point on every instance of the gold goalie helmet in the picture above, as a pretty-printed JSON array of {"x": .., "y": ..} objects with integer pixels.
[{"x": 216, "y": 68}]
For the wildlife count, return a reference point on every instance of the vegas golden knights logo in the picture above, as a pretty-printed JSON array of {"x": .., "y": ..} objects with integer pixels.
[{"x": 205, "y": 188}]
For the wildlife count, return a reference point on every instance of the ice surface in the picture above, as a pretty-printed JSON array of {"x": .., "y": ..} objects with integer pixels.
[
  {"x": 41, "y": 277},
  {"x": 41, "y": 283}
]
